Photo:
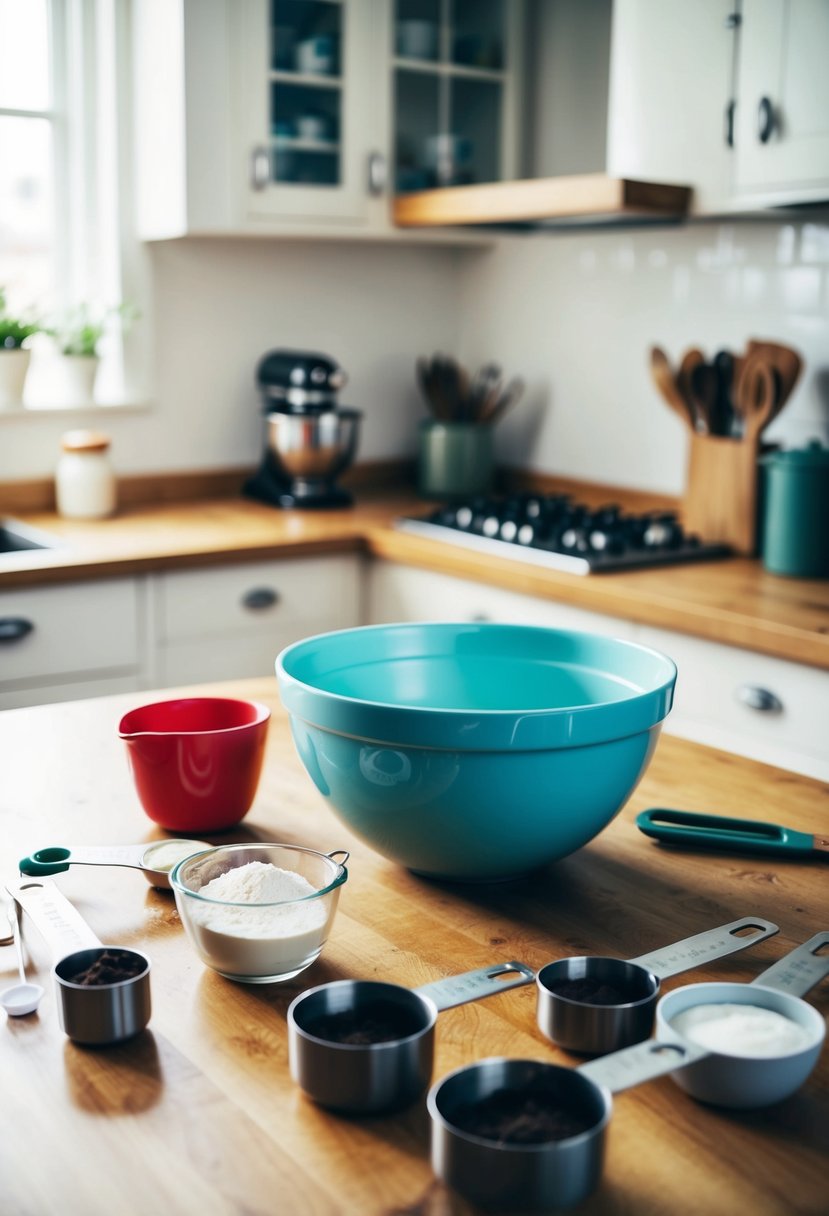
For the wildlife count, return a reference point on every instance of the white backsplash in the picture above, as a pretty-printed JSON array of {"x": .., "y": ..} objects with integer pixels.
[{"x": 574, "y": 313}]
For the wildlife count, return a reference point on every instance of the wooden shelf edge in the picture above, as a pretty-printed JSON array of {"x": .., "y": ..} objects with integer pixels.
[{"x": 537, "y": 199}]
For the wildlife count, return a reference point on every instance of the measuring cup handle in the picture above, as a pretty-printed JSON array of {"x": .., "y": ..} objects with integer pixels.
[
  {"x": 62, "y": 926},
  {"x": 800, "y": 970},
  {"x": 704, "y": 947},
  {"x": 473, "y": 985},
  {"x": 642, "y": 1062}
]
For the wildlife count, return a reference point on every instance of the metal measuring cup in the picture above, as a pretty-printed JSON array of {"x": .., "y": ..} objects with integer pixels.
[
  {"x": 97, "y": 1014},
  {"x": 513, "y": 1176},
  {"x": 366, "y": 1078},
  {"x": 599, "y": 1024}
]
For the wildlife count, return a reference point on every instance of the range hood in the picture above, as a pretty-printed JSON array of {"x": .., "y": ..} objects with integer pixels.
[{"x": 584, "y": 198}]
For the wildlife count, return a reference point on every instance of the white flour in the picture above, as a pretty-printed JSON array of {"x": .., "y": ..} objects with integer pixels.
[
  {"x": 255, "y": 934},
  {"x": 741, "y": 1030}
]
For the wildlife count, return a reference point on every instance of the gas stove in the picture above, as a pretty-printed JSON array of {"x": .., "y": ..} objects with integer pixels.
[{"x": 553, "y": 531}]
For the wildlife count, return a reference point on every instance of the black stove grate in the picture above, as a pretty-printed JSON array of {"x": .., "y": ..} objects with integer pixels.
[{"x": 553, "y": 531}]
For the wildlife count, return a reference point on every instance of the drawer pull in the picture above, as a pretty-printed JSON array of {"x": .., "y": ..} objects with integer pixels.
[
  {"x": 259, "y": 598},
  {"x": 13, "y": 628},
  {"x": 761, "y": 699}
]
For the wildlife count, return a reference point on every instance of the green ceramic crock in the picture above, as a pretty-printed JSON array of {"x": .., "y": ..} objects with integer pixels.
[{"x": 796, "y": 512}]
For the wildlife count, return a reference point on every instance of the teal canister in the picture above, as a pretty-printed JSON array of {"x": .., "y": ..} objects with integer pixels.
[
  {"x": 455, "y": 459},
  {"x": 796, "y": 512}
]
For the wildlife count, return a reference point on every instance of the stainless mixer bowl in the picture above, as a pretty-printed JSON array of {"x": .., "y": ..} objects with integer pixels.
[{"x": 312, "y": 447}]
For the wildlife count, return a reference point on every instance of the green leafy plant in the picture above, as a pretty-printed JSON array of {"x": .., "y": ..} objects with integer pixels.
[
  {"x": 14, "y": 330},
  {"x": 80, "y": 329}
]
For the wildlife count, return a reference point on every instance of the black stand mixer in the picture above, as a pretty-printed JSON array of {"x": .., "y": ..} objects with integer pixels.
[{"x": 309, "y": 440}]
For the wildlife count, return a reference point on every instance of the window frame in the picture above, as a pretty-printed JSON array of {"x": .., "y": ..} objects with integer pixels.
[{"x": 96, "y": 255}]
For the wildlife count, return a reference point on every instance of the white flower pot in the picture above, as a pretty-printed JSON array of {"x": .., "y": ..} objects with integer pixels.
[
  {"x": 13, "y": 367},
  {"x": 78, "y": 374}
]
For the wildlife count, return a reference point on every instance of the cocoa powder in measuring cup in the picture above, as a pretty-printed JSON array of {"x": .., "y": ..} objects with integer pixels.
[
  {"x": 110, "y": 967},
  {"x": 514, "y": 1116},
  {"x": 379, "y": 1022}
]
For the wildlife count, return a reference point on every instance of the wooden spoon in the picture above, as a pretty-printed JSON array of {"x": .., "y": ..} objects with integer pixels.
[
  {"x": 756, "y": 395},
  {"x": 691, "y": 360},
  {"x": 664, "y": 379},
  {"x": 784, "y": 361}
]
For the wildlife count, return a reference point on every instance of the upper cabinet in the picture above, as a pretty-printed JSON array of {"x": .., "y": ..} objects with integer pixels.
[
  {"x": 363, "y": 117},
  {"x": 782, "y": 129},
  {"x": 305, "y": 116},
  {"x": 730, "y": 96},
  {"x": 671, "y": 95},
  {"x": 308, "y": 135}
]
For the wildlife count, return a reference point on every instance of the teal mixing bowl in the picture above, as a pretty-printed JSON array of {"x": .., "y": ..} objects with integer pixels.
[{"x": 474, "y": 751}]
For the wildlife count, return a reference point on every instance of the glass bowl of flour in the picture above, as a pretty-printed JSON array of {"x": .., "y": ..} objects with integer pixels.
[{"x": 259, "y": 913}]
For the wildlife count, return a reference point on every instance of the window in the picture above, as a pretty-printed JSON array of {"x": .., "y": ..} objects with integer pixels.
[
  {"x": 32, "y": 132},
  {"x": 64, "y": 102}
]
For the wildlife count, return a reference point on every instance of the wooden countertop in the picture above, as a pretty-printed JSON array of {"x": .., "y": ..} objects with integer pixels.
[
  {"x": 198, "y": 1113},
  {"x": 733, "y": 601}
]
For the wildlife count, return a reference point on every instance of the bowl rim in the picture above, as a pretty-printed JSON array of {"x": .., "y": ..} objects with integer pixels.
[
  {"x": 263, "y": 713},
  {"x": 448, "y": 728},
  {"x": 177, "y": 883}
]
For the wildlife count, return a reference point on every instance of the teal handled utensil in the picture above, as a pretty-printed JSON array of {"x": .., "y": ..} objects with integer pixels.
[
  {"x": 155, "y": 860},
  {"x": 722, "y": 832}
]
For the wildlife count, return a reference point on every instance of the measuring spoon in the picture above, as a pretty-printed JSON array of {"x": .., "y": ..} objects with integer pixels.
[
  {"x": 392, "y": 1065},
  {"x": 155, "y": 860},
  {"x": 571, "y": 1108},
  {"x": 592, "y": 1004},
  {"x": 91, "y": 1012},
  {"x": 24, "y": 997}
]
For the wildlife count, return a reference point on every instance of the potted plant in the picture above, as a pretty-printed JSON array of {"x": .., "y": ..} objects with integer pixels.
[
  {"x": 14, "y": 356},
  {"x": 78, "y": 334}
]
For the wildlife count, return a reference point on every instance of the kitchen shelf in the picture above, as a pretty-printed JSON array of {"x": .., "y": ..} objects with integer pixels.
[
  {"x": 590, "y": 195},
  {"x": 294, "y": 143},
  {"x": 306, "y": 78},
  {"x": 434, "y": 67}
]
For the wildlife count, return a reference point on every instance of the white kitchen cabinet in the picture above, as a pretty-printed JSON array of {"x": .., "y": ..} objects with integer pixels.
[
  {"x": 310, "y": 107},
  {"x": 782, "y": 132},
  {"x": 402, "y": 593},
  {"x": 240, "y": 128},
  {"x": 765, "y": 708},
  {"x": 230, "y": 622},
  {"x": 729, "y": 98},
  {"x": 71, "y": 641},
  {"x": 671, "y": 86}
]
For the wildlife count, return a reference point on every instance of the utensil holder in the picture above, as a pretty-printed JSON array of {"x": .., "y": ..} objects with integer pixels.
[
  {"x": 455, "y": 459},
  {"x": 721, "y": 494}
]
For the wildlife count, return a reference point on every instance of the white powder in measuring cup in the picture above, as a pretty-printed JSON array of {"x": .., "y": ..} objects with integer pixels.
[
  {"x": 741, "y": 1030},
  {"x": 256, "y": 933}
]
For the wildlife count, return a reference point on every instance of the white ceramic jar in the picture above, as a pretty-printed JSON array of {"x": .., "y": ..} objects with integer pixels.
[{"x": 85, "y": 485}]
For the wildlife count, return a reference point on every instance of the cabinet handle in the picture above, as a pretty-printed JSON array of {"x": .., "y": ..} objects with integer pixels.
[
  {"x": 761, "y": 699},
  {"x": 260, "y": 168},
  {"x": 259, "y": 598},
  {"x": 378, "y": 173},
  {"x": 730, "y": 111},
  {"x": 13, "y": 628},
  {"x": 766, "y": 120}
]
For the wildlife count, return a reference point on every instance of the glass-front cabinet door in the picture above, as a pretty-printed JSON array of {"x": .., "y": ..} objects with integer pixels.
[
  {"x": 456, "y": 68},
  {"x": 308, "y": 68}
]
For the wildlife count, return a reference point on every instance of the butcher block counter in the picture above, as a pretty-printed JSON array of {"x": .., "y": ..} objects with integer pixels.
[
  {"x": 198, "y": 1113},
  {"x": 731, "y": 601}
]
